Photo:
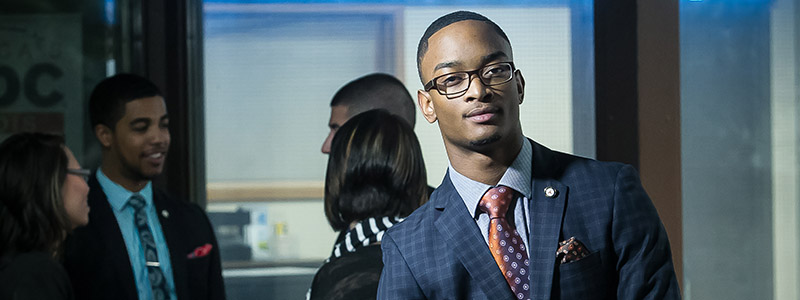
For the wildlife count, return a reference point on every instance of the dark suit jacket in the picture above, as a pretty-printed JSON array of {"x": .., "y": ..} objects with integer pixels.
[
  {"x": 97, "y": 260},
  {"x": 439, "y": 253}
]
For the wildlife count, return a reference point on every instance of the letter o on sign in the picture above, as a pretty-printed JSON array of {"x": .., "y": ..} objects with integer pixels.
[{"x": 12, "y": 86}]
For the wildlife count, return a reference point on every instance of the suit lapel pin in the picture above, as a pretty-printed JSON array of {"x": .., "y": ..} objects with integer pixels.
[
  {"x": 165, "y": 213},
  {"x": 550, "y": 192}
]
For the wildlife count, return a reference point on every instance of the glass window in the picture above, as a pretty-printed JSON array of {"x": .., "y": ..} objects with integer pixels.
[{"x": 739, "y": 123}]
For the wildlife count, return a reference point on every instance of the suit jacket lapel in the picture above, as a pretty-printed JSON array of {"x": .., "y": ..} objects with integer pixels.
[
  {"x": 465, "y": 241},
  {"x": 110, "y": 235},
  {"x": 171, "y": 236},
  {"x": 547, "y": 215}
]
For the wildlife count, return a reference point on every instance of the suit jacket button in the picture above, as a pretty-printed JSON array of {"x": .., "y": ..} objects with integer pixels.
[{"x": 165, "y": 213}]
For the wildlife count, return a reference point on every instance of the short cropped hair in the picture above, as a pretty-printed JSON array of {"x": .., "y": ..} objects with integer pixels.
[
  {"x": 33, "y": 168},
  {"x": 448, "y": 19},
  {"x": 376, "y": 91},
  {"x": 107, "y": 102},
  {"x": 375, "y": 169}
]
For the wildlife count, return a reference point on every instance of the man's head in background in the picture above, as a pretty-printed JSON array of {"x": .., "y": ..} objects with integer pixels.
[{"x": 373, "y": 91}]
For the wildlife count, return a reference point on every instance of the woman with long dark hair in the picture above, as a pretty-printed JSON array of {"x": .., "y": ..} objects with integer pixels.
[
  {"x": 375, "y": 178},
  {"x": 43, "y": 195}
]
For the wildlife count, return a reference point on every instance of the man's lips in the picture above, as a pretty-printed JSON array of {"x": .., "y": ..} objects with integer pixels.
[{"x": 482, "y": 114}]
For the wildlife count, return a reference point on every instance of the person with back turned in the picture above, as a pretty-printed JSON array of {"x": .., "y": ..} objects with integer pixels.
[{"x": 375, "y": 178}]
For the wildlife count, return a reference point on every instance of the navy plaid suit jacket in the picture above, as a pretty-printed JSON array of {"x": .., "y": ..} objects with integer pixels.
[{"x": 438, "y": 251}]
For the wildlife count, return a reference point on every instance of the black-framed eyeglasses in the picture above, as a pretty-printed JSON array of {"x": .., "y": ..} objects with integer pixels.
[
  {"x": 83, "y": 173},
  {"x": 456, "y": 84}
]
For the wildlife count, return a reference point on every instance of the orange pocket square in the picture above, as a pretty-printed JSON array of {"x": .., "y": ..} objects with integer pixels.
[{"x": 570, "y": 250}]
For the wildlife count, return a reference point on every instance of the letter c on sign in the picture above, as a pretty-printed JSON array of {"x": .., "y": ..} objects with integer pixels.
[{"x": 31, "y": 79}]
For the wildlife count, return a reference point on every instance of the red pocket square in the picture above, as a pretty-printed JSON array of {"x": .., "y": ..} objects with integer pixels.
[
  {"x": 570, "y": 250},
  {"x": 200, "y": 251}
]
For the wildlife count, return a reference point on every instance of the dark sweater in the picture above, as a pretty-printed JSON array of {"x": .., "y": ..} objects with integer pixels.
[{"x": 33, "y": 276}]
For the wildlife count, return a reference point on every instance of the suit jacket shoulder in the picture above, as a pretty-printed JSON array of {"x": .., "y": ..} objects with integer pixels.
[{"x": 438, "y": 253}]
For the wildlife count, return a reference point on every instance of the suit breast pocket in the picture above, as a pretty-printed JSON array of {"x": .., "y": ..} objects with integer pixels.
[
  {"x": 580, "y": 267},
  {"x": 584, "y": 278},
  {"x": 197, "y": 273}
]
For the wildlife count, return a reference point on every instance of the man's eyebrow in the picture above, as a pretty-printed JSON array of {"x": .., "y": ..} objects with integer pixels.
[
  {"x": 139, "y": 120},
  {"x": 448, "y": 64},
  {"x": 165, "y": 117},
  {"x": 485, "y": 59}
]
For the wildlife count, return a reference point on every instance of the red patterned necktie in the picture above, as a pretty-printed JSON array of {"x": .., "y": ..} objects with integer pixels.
[{"x": 504, "y": 241}]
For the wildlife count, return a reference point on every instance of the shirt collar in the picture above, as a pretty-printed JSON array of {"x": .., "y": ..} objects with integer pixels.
[
  {"x": 118, "y": 196},
  {"x": 517, "y": 176}
]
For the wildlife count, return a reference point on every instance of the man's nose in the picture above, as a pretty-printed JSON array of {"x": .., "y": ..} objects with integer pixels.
[
  {"x": 326, "y": 145},
  {"x": 159, "y": 135},
  {"x": 476, "y": 90}
]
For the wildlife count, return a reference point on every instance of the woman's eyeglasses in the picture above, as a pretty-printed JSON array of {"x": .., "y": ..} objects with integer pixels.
[{"x": 83, "y": 173}]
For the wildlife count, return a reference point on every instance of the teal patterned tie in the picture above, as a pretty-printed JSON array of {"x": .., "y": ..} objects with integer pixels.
[{"x": 157, "y": 281}]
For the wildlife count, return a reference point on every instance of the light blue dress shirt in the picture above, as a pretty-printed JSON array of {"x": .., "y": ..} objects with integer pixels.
[
  {"x": 517, "y": 177},
  {"x": 118, "y": 197}
]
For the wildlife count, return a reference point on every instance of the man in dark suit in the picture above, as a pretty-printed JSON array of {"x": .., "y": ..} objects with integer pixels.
[
  {"x": 513, "y": 219},
  {"x": 140, "y": 243}
]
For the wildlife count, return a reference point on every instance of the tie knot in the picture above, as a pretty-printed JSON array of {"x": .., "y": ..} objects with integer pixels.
[
  {"x": 496, "y": 200},
  {"x": 136, "y": 201}
]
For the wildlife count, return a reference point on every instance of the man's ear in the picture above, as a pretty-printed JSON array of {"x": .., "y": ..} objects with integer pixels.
[
  {"x": 426, "y": 106},
  {"x": 520, "y": 85},
  {"x": 104, "y": 135}
]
